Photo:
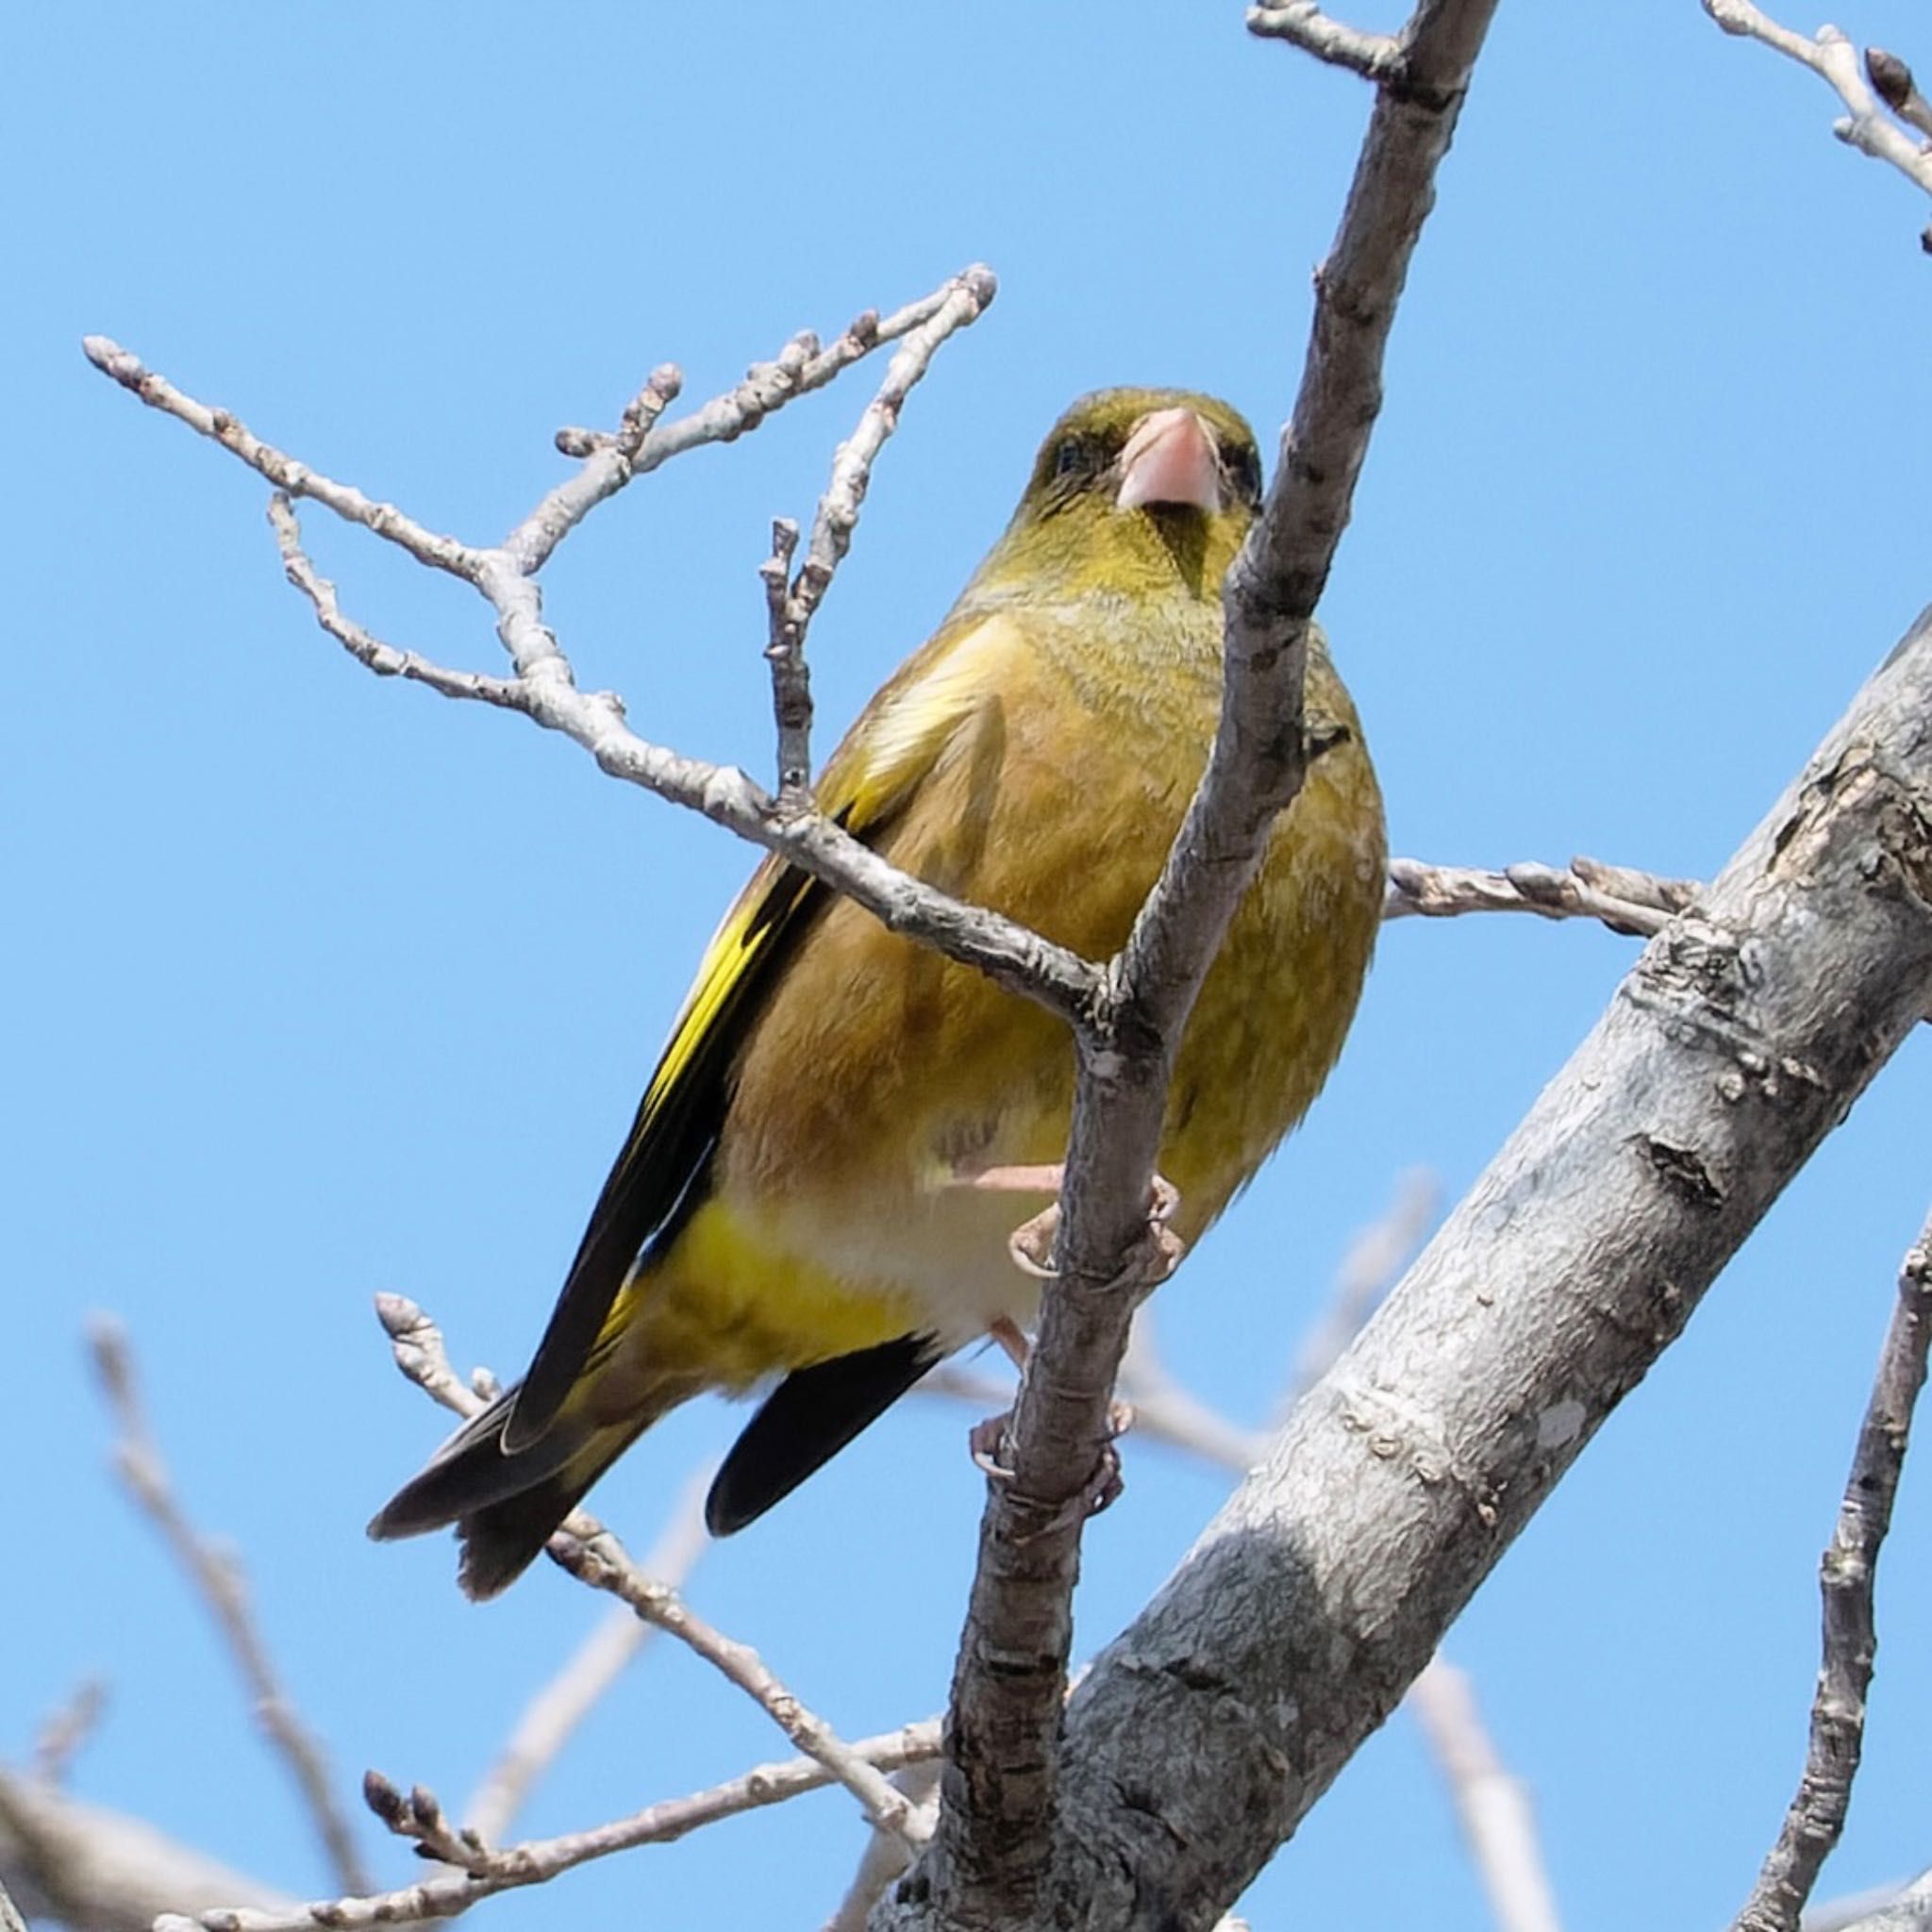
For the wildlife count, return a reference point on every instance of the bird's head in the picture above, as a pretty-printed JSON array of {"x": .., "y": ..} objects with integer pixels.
[{"x": 1134, "y": 489}]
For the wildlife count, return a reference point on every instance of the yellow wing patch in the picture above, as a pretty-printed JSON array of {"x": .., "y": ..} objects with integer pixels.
[
  {"x": 898, "y": 740},
  {"x": 893, "y": 746}
]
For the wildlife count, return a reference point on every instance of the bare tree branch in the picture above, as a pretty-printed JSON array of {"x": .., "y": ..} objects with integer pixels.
[
  {"x": 1491, "y": 1802},
  {"x": 66, "y": 1730},
  {"x": 536, "y": 1860},
  {"x": 1847, "y": 1575},
  {"x": 1302, "y": 25},
  {"x": 598, "y": 1560},
  {"x": 998, "y": 1822},
  {"x": 1734, "y": 1045},
  {"x": 595, "y": 1556},
  {"x": 289, "y": 475},
  {"x": 216, "y": 1574},
  {"x": 1634, "y": 903},
  {"x": 793, "y": 604},
  {"x": 1834, "y": 59},
  {"x": 1493, "y": 1805},
  {"x": 543, "y": 685},
  {"x": 554, "y": 1714}
]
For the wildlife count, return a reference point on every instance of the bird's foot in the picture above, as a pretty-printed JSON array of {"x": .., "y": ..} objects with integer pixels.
[
  {"x": 987, "y": 1441},
  {"x": 1030, "y": 1244}
]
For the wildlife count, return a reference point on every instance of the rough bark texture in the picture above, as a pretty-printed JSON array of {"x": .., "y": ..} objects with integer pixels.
[{"x": 1740, "y": 1039}]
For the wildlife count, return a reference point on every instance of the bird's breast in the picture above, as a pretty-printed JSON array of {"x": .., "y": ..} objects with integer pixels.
[{"x": 879, "y": 1073}]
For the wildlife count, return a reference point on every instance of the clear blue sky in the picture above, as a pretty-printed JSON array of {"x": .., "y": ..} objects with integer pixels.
[{"x": 319, "y": 986}]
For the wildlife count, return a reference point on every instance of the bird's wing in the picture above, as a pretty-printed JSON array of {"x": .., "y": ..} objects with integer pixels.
[
  {"x": 659, "y": 1173},
  {"x": 806, "y": 1420}
]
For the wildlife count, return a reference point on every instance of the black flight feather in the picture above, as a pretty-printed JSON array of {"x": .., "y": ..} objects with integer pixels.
[{"x": 806, "y": 1420}]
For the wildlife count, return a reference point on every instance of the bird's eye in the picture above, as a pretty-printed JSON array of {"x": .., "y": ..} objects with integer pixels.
[
  {"x": 1245, "y": 472},
  {"x": 1072, "y": 458}
]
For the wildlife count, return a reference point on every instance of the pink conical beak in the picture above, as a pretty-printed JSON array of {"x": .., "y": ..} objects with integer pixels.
[{"x": 1170, "y": 460}]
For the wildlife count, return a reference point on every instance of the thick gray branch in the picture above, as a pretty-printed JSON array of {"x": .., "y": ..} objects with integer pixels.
[
  {"x": 1907, "y": 1910},
  {"x": 1731, "y": 1049}
]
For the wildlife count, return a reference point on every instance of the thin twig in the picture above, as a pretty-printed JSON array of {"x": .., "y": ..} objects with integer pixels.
[
  {"x": 800, "y": 367},
  {"x": 1369, "y": 1270},
  {"x": 1627, "y": 901},
  {"x": 1493, "y": 1805},
  {"x": 1302, "y": 25},
  {"x": 543, "y": 686},
  {"x": 1846, "y": 1575},
  {"x": 1017, "y": 957},
  {"x": 386, "y": 660},
  {"x": 785, "y": 653},
  {"x": 791, "y": 607},
  {"x": 288, "y": 475},
  {"x": 217, "y": 1574},
  {"x": 1866, "y": 126},
  {"x": 597, "y": 1561},
  {"x": 594, "y": 1555},
  {"x": 554, "y": 1714},
  {"x": 65, "y": 1729},
  {"x": 536, "y": 1859},
  {"x": 417, "y": 1347}
]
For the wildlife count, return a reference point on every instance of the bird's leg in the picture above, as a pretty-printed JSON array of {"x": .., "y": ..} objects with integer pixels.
[
  {"x": 1031, "y": 1247},
  {"x": 1012, "y": 1341},
  {"x": 985, "y": 1438}
]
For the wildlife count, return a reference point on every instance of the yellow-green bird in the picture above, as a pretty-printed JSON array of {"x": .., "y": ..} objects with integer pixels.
[{"x": 837, "y": 1140}]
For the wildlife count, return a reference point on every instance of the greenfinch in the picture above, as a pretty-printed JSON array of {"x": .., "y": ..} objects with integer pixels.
[{"x": 822, "y": 1175}]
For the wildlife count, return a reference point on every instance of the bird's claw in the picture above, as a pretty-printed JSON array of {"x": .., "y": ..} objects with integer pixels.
[
  {"x": 986, "y": 1440},
  {"x": 1030, "y": 1244}
]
